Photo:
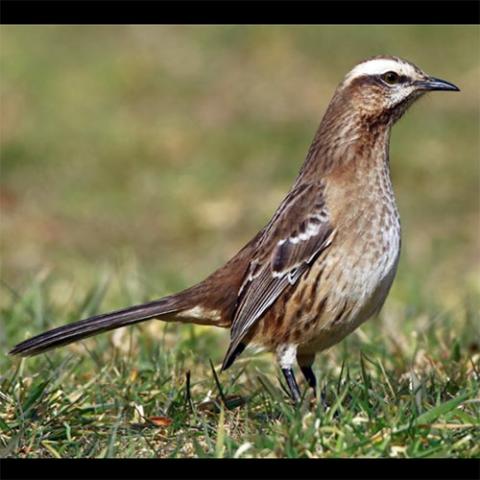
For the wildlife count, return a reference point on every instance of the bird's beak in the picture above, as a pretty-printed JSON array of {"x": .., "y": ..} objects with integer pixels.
[{"x": 432, "y": 83}]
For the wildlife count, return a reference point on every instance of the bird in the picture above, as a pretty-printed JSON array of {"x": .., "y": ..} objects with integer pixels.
[{"x": 325, "y": 261}]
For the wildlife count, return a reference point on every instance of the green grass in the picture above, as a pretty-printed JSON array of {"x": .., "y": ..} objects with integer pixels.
[
  {"x": 408, "y": 391},
  {"x": 135, "y": 160}
]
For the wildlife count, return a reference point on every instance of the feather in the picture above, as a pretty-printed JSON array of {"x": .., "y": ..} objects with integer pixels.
[{"x": 283, "y": 254}]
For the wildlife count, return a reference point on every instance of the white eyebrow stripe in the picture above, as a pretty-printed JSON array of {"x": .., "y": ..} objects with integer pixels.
[{"x": 379, "y": 66}]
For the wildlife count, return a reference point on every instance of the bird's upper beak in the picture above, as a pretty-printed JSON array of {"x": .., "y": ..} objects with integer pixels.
[{"x": 432, "y": 83}]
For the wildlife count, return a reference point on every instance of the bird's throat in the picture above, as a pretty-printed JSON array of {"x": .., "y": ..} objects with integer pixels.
[{"x": 349, "y": 144}]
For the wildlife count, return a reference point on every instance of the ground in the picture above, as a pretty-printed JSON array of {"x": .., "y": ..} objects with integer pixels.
[{"x": 136, "y": 160}]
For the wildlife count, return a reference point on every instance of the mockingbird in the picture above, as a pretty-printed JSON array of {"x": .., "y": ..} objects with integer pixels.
[{"x": 326, "y": 260}]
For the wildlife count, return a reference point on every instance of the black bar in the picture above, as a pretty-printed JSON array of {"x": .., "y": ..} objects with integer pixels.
[
  {"x": 239, "y": 12},
  {"x": 372, "y": 469}
]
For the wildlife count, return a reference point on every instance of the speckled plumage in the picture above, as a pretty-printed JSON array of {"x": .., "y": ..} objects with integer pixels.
[{"x": 326, "y": 260}]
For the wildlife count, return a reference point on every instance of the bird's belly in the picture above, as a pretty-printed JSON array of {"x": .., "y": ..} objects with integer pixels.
[{"x": 353, "y": 286}]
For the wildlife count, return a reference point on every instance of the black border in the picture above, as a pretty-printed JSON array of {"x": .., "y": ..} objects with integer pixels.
[
  {"x": 239, "y": 12},
  {"x": 371, "y": 469}
]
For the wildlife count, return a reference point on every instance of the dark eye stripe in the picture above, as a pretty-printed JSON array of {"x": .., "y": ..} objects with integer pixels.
[
  {"x": 375, "y": 79},
  {"x": 396, "y": 80}
]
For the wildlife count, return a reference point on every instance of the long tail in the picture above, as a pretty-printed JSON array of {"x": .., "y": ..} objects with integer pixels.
[
  {"x": 211, "y": 302},
  {"x": 92, "y": 326}
]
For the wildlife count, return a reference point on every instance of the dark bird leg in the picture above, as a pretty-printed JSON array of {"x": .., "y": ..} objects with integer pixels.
[
  {"x": 305, "y": 363},
  {"x": 312, "y": 382},
  {"x": 310, "y": 377},
  {"x": 292, "y": 384}
]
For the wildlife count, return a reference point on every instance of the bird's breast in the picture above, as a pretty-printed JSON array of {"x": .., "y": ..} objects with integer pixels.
[
  {"x": 367, "y": 243},
  {"x": 351, "y": 279}
]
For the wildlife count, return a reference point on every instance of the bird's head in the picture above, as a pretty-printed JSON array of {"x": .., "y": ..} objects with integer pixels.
[{"x": 380, "y": 89}]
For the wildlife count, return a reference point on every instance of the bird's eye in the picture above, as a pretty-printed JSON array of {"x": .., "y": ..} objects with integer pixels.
[{"x": 391, "y": 78}]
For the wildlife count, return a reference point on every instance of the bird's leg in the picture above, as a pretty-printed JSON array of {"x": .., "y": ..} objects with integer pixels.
[
  {"x": 305, "y": 363},
  {"x": 310, "y": 378},
  {"x": 292, "y": 384},
  {"x": 286, "y": 354}
]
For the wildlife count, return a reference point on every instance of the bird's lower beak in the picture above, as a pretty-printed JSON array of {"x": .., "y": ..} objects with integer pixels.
[{"x": 433, "y": 83}]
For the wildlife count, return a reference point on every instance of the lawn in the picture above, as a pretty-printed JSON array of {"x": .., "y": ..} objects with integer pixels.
[{"x": 136, "y": 160}]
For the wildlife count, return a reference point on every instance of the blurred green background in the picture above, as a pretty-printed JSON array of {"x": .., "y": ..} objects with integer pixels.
[{"x": 155, "y": 153}]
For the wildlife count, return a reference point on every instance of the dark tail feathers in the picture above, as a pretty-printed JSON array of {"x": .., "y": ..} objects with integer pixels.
[{"x": 94, "y": 325}]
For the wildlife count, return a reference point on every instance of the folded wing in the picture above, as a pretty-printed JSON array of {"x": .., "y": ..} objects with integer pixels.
[{"x": 297, "y": 233}]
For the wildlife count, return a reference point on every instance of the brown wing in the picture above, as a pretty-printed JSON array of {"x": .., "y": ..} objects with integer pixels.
[{"x": 295, "y": 236}]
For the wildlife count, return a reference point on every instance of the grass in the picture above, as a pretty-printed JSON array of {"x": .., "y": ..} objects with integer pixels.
[
  {"x": 402, "y": 393},
  {"x": 126, "y": 174}
]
